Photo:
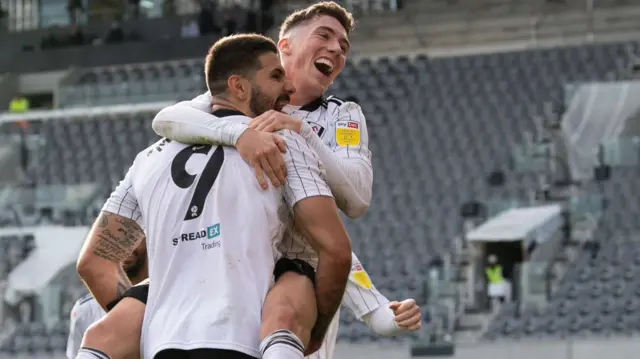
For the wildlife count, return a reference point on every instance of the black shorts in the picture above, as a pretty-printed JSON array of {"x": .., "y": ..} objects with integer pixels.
[
  {"x": 294, "y": 265},
  {"x": 139, "y": 292},
  {"x": 201, "y": 354}
]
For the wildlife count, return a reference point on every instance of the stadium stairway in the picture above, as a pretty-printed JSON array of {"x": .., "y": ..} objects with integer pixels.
[{"x": 472, "y": 323}]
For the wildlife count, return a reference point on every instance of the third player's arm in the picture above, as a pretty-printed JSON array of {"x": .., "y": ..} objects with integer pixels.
[
  {"x": 111, "y": 240},
  {"x": 113, "y": 237},
  {"x": 316, "y": 215},
  {"x": 348, "y": 162},
  {"x": 191, "y": 122}
]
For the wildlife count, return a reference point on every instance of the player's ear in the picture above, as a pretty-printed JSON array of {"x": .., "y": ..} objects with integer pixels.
[
  {"x": 238, "y": 86},
  {"x": 284, "y": 46}
]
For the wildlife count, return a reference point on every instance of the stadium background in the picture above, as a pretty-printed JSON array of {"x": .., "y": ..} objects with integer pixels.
[{"x": 497, "y": 126}]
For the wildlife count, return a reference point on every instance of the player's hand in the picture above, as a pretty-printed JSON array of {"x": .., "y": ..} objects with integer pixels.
[
  {"x": 273, "y": 120},
  {"x": 312, "y": 347},
  {"x": 407, "y": 314},
  {"x": 264, "y": 152}
]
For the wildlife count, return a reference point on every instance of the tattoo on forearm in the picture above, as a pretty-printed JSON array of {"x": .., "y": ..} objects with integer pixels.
[
  {"x": 123, "y": 283},
  {"x": 117, "y": 237}
]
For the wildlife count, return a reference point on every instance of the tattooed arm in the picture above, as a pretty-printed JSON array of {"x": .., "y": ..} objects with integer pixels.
[
  {"x": 111, "y": 240},
  {"x": 113, "y": 237}
]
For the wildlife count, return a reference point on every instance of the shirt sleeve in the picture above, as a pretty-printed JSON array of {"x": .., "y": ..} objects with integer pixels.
[
  {"x": 122, "y": 200},
  {"x": 347, "y": 159},
  {"x": 78, "y": 324},
  {"x": 191, "y": 122},
  {"x": 361, "y": 296},
  {"x": 306, "y": 177}
]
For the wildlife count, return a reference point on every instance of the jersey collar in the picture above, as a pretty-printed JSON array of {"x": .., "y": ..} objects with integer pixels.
[
  {"x": 225, "y": 112},
  {"x": 312, "y": 106}
]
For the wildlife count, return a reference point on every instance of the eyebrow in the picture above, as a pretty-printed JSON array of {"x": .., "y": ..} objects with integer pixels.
[{"x": 343, "y": 40}]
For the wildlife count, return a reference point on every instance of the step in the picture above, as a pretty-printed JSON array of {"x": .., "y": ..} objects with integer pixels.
[{"x": 471, "y": 322}]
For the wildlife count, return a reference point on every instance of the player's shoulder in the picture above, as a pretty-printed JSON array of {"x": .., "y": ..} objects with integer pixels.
[
  {"x": 85, "y": 303},
  {"x": 339, "y": 110},
  {"x": 336, "y": 101},
  {"x": 85, "y": 299}
]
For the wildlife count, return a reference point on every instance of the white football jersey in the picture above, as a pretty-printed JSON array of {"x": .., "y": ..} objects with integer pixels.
[
  {"x": 211, "y": 232},
  {"x": 342, "y": 127},
  {"x": 361, "y": 297},
  {"x": 85, "y": 312}
]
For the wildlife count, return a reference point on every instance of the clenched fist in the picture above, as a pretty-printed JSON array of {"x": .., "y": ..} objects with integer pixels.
[{"x": 407, "y": 314}]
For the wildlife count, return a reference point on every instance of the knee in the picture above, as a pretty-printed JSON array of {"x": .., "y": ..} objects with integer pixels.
[{"x": 283, "y": 314}]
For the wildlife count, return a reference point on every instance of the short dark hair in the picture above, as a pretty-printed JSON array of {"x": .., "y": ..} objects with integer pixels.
[
  {"x": 328, "y": 8},
  {"x": 235, "y": 55}
]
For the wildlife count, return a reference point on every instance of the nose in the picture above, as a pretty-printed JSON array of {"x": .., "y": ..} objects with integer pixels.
[
  {"x": 289, "y": 88},
  {"x": 334, "y": 46}
]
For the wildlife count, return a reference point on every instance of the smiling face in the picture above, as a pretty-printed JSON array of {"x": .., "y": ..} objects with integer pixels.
[
  {"x": 270, "y": 88},
  {"x": 313, "y": 47},
  {"x": 315, "y": 54}
]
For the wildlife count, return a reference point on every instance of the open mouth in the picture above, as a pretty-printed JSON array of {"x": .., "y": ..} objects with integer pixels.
[
  {"x": 324, "y": 66},
  {"x": 281, "y": 102}
]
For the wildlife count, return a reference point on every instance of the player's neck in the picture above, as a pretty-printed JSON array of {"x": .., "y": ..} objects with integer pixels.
[
  {"x": 301, "y": 97},
  {"x": 218, "y": 103}
]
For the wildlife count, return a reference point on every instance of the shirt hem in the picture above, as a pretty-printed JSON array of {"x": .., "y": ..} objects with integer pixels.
[{"x": 205, "y": 345}]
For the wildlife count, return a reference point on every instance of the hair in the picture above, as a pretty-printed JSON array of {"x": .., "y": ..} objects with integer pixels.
[
  {"x": 235, "y": 55},
  {"x": 328, "y": 8}
]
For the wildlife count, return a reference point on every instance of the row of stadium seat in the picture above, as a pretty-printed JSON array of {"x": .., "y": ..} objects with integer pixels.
[
  {"x": 600, "y": 293},
  {"x": 437, "y": 128}
]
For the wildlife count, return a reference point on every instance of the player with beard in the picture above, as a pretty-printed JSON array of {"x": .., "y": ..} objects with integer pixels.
[
  {"x": 214, "y": 263},
  {"x": 87, "y": 311},
  {"x": 313, "y": 45}
]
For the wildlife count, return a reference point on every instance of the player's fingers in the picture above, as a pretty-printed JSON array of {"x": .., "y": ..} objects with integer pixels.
[
  {"x": 259, "y": 174},
  {"x": 407, "y": 304},
  {"x": 394, "y": 305},
  {"x": 254, "y": 123},
  {"x": 272, "y": 127},
  {"x": 276, "y": 162},
  {"x": 281, "y": 144},
  {"x": 403, "y": 315},
  {"x": 260, "y": 124},
  {"x": 269, "y": 171},
  {"x": 411, "y": 322},
  {"x": 415, "y": 326}
]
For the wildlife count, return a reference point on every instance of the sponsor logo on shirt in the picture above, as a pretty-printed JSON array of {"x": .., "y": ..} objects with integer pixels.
[
  {"x": 319, "y": 130},
  {"x": 347, "y": 133},
  {"x": 204, "y": 234},
  {"x": 360, "y": 276}
]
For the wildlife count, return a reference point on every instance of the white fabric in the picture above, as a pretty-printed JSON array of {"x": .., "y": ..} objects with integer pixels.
[
  {"x": 361, "y": 299},
  {"x": 527, "y": 224},
  {"x": 85, "y": 312},
  {"x": 500, "y": 289},
  {"x": 348, "y": 167},
  {"x": 211, "y": 264},
  {"x": 191, "y": 122}
]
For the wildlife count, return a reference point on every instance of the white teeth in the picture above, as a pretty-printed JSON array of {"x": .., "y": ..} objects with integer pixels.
[{"x": 325, "y": 62}]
